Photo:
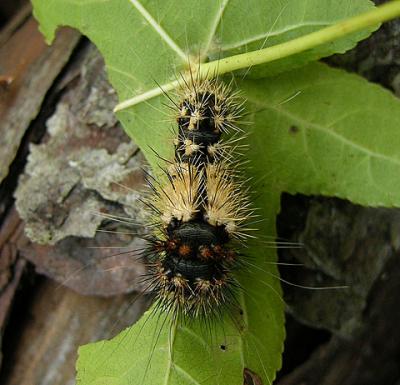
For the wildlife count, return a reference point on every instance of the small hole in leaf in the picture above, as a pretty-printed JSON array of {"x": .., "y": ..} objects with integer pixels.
[{"x": 223, "y": 347}]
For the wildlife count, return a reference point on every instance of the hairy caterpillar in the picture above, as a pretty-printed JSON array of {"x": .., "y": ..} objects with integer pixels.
[{"x": 199, "y": 208}]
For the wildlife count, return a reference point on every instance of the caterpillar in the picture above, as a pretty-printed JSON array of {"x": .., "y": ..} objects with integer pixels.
[{"x": 199, "y": 206}]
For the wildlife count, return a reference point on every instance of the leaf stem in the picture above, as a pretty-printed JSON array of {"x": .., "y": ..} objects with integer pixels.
[{"x": 378, "y": 15}]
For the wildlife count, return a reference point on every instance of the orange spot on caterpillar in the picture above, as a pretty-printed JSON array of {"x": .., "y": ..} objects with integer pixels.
[
  {"x": 205, "y": 252},
  {"x": 184, "y": 250}
]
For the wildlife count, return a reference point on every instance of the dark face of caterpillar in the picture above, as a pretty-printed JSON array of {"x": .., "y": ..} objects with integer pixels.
[
  {"x": 196, "y": 264},
  {"x": 198, "y": 210},
  {"x": 198, "y": 253}
]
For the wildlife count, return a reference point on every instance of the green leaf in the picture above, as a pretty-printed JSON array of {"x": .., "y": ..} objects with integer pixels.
[
  {"x": 321, "y": 141},
  {"x": 150, "y": 41},
  {"x": 140, "y": 39},
  {"x": 338, "y": 137}
]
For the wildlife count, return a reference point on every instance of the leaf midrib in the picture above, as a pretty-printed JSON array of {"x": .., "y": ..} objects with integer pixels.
[
  {"x": 171, "y": 335},
  {"x": 159, "y": 29},
  {"x": 215, "y": 25}
]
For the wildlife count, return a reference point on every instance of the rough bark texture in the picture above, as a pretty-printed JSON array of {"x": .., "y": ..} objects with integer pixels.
[
  {"x": 84, "y": 171},
  {"x": 63, "y": 103}
]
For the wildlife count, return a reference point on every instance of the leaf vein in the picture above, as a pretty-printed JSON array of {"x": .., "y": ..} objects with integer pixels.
[
  {"x": 196, "y": 336},
  {"x": 171, "y": 341},
  {"x": 341, "y": 138},
  {"x": 124, "y": 73},
  {"x": 215, "y": 24},
  {"x": 159, "y": 29},
  {"x": 186, "y": 374},
  {"x": 268, "y": 34}
]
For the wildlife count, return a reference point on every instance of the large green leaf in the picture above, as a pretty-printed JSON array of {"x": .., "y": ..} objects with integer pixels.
[
  {"x": 322, "y": 141},
  {"x": 140, "y": 39}
]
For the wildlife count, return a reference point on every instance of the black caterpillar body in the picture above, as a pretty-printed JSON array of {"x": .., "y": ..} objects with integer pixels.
[{"x": 199, "y": 207}]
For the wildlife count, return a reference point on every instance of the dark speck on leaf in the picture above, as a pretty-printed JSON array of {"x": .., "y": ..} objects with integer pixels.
[
  {"x": 223, "y": 347},
  {"x": 294, "y": 129}
]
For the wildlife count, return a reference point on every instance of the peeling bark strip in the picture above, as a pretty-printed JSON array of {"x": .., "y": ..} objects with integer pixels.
[
  {"x": 250, "y": 378},
  {"x": 11, "y": 266},
  {"x": 30, "y": 67},
  {"x": 59, "y": 322}
]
